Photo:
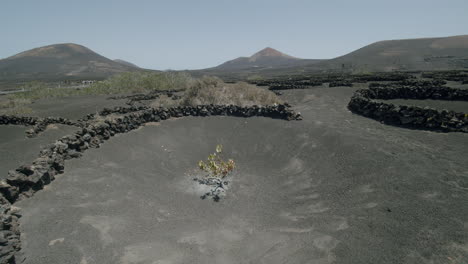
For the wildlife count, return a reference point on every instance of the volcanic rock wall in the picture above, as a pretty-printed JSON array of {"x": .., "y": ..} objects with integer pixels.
[
  {"x": 411, "y": 116},
  {"x": 28, "y": 179},
  {"x": 38, "y": 124},
  {"x": 334, "y": 80}
]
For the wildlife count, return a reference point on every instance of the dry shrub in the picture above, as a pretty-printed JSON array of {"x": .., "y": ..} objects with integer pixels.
[
  {"x": 164, "y": 101},
  {"x": 102, "y": 119},
  {"x": 212, "y": 90}
]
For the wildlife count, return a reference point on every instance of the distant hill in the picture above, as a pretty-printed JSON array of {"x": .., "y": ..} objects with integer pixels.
[
  {"x": 72, "y": 61},
  {"x": 424, "y": 54},
  {"x": 57, "y": 62},
  {"x": 266, "y": 58},
  {"x": 126, "y": 63},
  {"x": 445, "y": 53}
]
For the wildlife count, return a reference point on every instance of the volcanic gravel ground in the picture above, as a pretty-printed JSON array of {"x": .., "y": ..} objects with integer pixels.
[
  {"x": 16, "y": 149},
  {"x": 73, "y": 107},
  {"x": 333, "y": 188}
]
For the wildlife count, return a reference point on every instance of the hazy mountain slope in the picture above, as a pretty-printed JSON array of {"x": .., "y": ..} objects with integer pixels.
[
  {"x": 406, "y": 54},
  {"x": 126, "y": 63},
  {"x": 59, "y": 61},
  {"x": 425, "y": 54}
]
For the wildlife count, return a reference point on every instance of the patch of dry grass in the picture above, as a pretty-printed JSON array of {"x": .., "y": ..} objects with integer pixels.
[
  {"x": 212, "y": 90},
  {"x": 124, "y": 83},
  {"x": 99, "y": 119},
  {"x": 165, "y": 101},
  {"x": 141, "y": 82},
  {"x": 14, "y": 106}
]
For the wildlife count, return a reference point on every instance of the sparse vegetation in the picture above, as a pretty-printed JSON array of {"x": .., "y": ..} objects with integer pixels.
[
  {"x": 255, "y": 77},
  {"x": 141, "y": 82},
  {"x": 216, "y": 166},
  {"x": 216, "y": 169},
  {"x": 125, "y": 83},
  {"x": 14, "y": 106},
  {"x": 212, "y": 90},
  {"x": 38, "y": 90},
  {"x": 165, "y": 101},
  {"x": 206, "y": 90}
]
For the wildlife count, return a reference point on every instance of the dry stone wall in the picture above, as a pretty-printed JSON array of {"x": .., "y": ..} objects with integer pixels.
[
  {"x": 38, "y": 124},
  {"x": 30, "y": 178},
  {"x": 411, "y": 116}
]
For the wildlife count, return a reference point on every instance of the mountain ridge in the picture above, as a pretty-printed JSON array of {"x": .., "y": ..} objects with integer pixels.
[
  {"x": 265, "y": 58},
  {"x": 269, "y": 52},
  {"x": 58, "y": 61},
  {"x": 74, "y": 61},
  {"x": 421, "y": 54}
]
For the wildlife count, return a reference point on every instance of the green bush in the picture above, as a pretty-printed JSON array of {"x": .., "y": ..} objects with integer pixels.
[{"x": 216, "y": 166}]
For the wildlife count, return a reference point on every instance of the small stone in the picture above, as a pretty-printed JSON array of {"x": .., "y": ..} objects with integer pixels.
[{"x": 16, "y": 211}]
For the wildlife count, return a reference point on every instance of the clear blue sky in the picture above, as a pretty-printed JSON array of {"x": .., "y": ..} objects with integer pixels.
[{"x": 194, "y": 34}]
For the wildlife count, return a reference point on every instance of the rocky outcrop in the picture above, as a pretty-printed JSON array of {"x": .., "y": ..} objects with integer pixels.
[
  {"x": 411, "y": 116},
  {"x": 30, "y": 178}
]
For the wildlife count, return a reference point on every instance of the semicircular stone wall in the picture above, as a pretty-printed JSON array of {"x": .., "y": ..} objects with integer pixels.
[{"x": 362, "y": 103}]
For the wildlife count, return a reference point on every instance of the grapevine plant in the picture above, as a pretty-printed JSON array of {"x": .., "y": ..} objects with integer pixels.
[
  {"x": 217, "y": 169},
  {"x": 215, "y": 166}
]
